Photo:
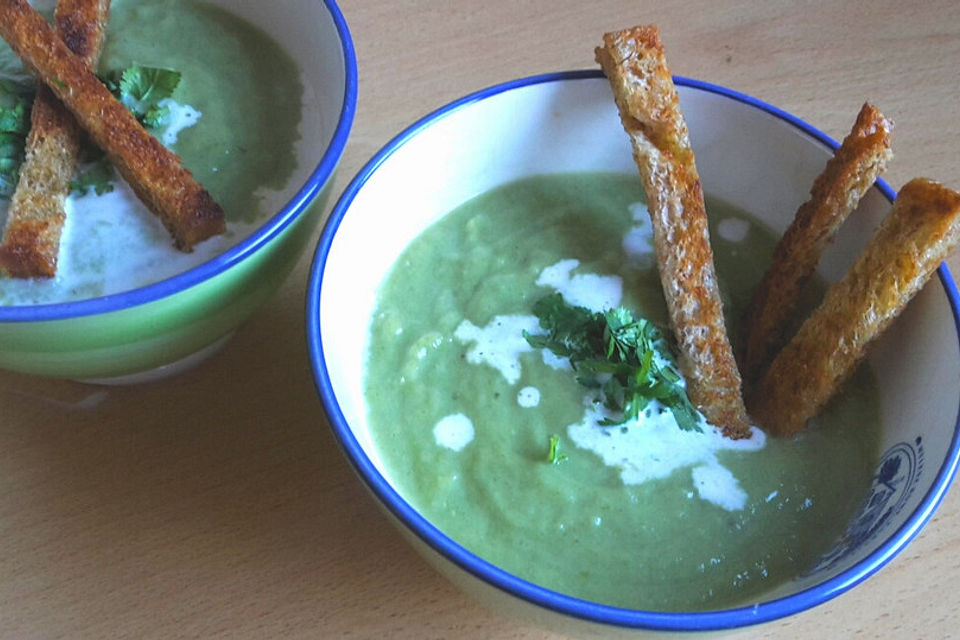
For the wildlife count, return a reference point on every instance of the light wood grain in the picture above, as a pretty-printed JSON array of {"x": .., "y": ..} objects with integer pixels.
[{"x": 217, "y": 504}]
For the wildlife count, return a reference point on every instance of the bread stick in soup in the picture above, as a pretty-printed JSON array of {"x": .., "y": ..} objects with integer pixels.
[
  {"x": 634, "y": 62},
  {"x": 31, "y": 237},
  {"x": 154, "y": 172},
  {"x": 912, "y": 241},
  {"x": 853, "y": 169}
]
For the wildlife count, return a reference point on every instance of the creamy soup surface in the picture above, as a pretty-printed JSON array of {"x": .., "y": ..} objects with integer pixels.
[{"x": 639, "y": 515}]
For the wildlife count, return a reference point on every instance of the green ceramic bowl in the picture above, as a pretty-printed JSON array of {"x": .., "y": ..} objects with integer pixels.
[{"x": 167, "y": 326}]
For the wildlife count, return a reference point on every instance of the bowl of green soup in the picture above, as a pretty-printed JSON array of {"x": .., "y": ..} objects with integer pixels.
[
  {"x": 260, "y": 113},
  {"x": 430, "y": 286}
]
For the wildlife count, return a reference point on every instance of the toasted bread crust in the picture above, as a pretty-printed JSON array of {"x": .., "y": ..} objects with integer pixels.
[
  {"x": 852, "y": 170},
  {"x": 82, "y": 25},
  {"x": 31, "y": 238},
  {"x": 154, "y": 172},
  {"x": 634, "y": 62},
  {"x": 917, "y": 234}
]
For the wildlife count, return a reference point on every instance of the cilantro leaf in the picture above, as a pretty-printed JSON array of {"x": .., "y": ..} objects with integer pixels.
[
  {"x": 99, "y": 177},
  {"x": 15, "y": 120},
  {"x": 141, "y": 89},
  {"x": 156, "y": 116},
  {"x": 148, "y": 84},
  {"x": 15, "y": 101},
  {"x": 626, "y": 357}
]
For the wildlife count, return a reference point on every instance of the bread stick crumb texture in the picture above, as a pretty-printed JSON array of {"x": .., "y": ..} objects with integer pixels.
[
  {"x": 914, "y": 238},
  {"x": 634, "y": 62},
  {"x": 836, "y": 192},
  {"x": 31, "y": 239}
]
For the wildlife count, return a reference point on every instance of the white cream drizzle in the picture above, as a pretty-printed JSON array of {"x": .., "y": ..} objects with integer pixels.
[
  {"x": 454, "y": 432},
  {"x": 588, "y": 290},
  {"x": 112, "y": 243},
  {"x": 182, "y": 116},
  {"x": 528, "y": 397},
  {"x": 733, "y": 229},
  {"x": 638, "y": 241},
  {"x": 653, "y": 446},
  {"x": 500, "y": 343}
]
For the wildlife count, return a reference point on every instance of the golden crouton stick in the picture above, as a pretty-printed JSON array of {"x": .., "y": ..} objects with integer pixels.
[
  {"x": 852, "y": 170},
  {"x": 154, "y": 172},
  {"x": 634, "y": 62},
  {"x": 31, "y": 237},
  {"x": 912, "y": 241}
]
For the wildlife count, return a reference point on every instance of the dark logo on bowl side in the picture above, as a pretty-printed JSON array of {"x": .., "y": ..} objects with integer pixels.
[{"x": 898, "y": 474}]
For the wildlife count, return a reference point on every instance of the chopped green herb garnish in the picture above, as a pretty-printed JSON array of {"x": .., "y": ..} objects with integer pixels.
[
  {"x": 15, "y": 119},
  {"x": 141, "y": 89},
  {"x": 14, "y": 127},
  {"x": 148, "y": 84},
  {"x": 99, "y": 177},
  {"x": 554, "y": 456},
  {"x": 626, "y": 358},
  {"x": 156, "y": 116}
]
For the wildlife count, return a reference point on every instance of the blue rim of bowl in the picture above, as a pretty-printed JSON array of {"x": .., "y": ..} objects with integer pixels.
[
  {"x": 246, "y": 247},
  {"x": 532, "y": 593}
]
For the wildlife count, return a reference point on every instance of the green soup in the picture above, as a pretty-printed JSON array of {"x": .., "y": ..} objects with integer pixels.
[
  {"x": 234, "y": 123},
  {"x": 652, "y": 524},
  {"x": 243, "y": 83}
]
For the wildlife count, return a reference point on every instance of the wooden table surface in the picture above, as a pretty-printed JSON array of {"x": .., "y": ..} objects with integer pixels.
[{"x": 217, "y": 504}]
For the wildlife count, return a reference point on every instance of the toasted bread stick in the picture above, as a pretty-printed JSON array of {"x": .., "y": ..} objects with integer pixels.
[
  {"x": 154, "y": 172},
  {"x": 634, "y": 62},
  {"x": 917, "y": 234},
  {"x": 852, "y": 170},
  {"x": 31, "y": 238}
]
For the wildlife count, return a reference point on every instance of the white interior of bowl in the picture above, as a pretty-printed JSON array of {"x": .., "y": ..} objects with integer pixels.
[
  {"x": 307, "y": 32},
  {"x": 749, "y": 157}
]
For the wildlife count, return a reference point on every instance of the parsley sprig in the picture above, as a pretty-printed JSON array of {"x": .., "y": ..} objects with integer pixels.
[
  {"x": 141, "y": 89},
  {"x": 625, "y": 357},
  {"x": 15, "y": 101},
  {"x": 97, "y": 176}
]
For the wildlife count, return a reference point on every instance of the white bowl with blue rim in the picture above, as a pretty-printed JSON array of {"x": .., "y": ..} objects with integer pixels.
[
  {"x": 749, "y": 154},
  {"x": 164, "y": 327}
]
